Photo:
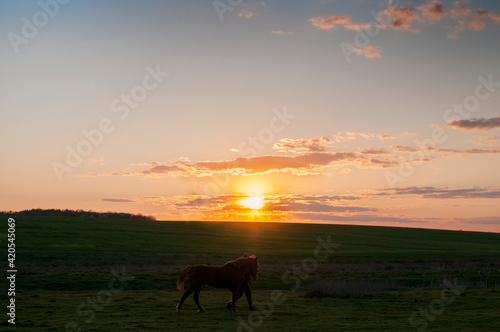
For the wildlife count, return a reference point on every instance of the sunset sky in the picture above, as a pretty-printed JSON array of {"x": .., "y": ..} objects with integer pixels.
[{"x": 346, "y": 112}]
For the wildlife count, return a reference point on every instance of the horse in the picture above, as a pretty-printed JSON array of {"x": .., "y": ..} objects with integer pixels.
[{"x": 235, "y": 275}]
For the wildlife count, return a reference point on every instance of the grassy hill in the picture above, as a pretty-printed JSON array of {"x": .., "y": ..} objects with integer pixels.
[{"x": 64, "y": 261}]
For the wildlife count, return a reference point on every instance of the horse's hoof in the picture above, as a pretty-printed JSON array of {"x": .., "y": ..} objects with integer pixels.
[
  {"x": 201, "y": 310},
  {"x": 234, "y": 310}
]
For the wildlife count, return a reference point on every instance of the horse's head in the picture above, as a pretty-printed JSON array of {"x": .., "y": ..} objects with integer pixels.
[{"x": 253, "y": 269}]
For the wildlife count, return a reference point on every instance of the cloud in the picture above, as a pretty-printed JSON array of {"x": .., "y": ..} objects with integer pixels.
[
  {"x": 432, "y": 149},
  {"x": 332, "y": 21},
  {"x": 246, "y": 14},
  {"x": 349, "y": 135},
  {"x": 492, "y": 220},
  {"x": 459, "y": 9},
  {"x": 281, "y": 32},
  {"x": 405, "y": 148},
  {"x": 469, "y": 19},
  {"x": 304, "y": 164},
  {"x": 316, "y": 144},
  {"x": 94, "y": 161},
  {"x": 152, "y": 163},
  {"x": 356, "y": 218},
  {"x": 276, "y": 207},
  {"x": 118, "y": 200},
  {"x": 384, "y": 137},
  {"x": 475, "y": 124},
  {"x": 432, "y": 10},
  {"x": 162, "y": 169},
  {"x": 441, "y": 193},
  {"x": 345, "y": 136},
  {"x": 308, "y": 164},
  {"x": 374, "y": 151},
  {"x": 410, "y": 18},
  {"x": 466, "y": 151},
  {"x": 490, "y": 140},
  {"x": 369, "y": 51},
  {"x": 89, "y": 175},
  {"x": 401, "y": 17}
]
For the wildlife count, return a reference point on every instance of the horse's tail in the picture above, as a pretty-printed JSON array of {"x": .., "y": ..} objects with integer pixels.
[{"x": 183, "y": 277}]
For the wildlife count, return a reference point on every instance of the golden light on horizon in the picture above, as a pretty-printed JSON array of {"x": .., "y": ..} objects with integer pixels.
[{"x": 252, "y": 202}]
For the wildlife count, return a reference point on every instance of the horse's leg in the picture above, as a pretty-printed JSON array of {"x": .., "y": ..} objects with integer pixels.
[
  {"x": 236, "y": 296},
  {"x": 230, "y": 302},
  {"x": 184, "y": 297},
  {"x": 248, "y": 294},
  {"x": 197, "y": 299}
]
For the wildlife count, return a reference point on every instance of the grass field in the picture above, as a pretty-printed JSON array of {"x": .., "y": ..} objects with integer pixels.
[{"x": 119, "y": 275}]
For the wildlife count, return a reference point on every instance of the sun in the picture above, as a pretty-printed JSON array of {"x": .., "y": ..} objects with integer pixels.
[
  {"x": 255, "y": 192},
  {"x": 253, "y": 202}
]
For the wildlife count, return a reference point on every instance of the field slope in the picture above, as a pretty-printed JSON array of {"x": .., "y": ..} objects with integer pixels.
[{"x": 67, "y": 264}]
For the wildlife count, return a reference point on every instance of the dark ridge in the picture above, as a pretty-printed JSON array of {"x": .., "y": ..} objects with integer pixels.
[{"x": 75, "y": 213}]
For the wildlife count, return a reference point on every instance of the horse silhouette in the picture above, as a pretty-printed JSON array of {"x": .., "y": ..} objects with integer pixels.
[{"x": 235, "y": 275}]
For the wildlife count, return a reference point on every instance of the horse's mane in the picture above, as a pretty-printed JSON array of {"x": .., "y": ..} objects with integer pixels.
[{"x": 241, "y": 261}]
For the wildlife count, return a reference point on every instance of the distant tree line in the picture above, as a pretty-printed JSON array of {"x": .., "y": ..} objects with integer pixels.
[{"x": 75, "y": 213}]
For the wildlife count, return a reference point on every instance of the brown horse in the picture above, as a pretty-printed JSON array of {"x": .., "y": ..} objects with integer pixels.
[{"x": 234, "y": 275}]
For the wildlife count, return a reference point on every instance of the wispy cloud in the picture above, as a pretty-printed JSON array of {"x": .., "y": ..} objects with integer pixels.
[
  {"x": 442, "y": 151},
  {"x": 374, "y": 151},
  {"x": 315, "y": 144},
  {"x": 441, "y": 193},
  {"x": 493, "y": 141},
  {"x": 369, "y": 51},
  {"x": 465, "y": 152},
  {"x": 349, "y": 135},
  {"x": 245, "y": 13},
  {"x": 92, "y": 161},
  {"x": 281, "y": 32},
  {"x": 118, "y": 200},
  {"x": 332, "y": 21}
]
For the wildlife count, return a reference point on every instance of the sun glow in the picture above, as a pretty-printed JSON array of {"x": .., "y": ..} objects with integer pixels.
[{"x": 253, "y": 202}]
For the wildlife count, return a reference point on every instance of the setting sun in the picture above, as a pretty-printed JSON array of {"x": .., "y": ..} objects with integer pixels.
[{"x": 253, "y": 202}]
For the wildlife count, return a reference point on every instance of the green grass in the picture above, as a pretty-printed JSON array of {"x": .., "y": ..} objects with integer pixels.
[{"x": 64, "y": 261}]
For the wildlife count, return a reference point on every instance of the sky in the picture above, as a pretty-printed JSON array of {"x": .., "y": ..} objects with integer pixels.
[{"x": 381, "y": 113}]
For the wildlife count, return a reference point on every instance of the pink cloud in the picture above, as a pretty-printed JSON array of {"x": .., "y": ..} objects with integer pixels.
[
  {"x": 330, "y": 22},
  {"x": 401, "y": 17},
  {"x": 369, "y": 51},
  {"x": 432, "y": 10}
]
